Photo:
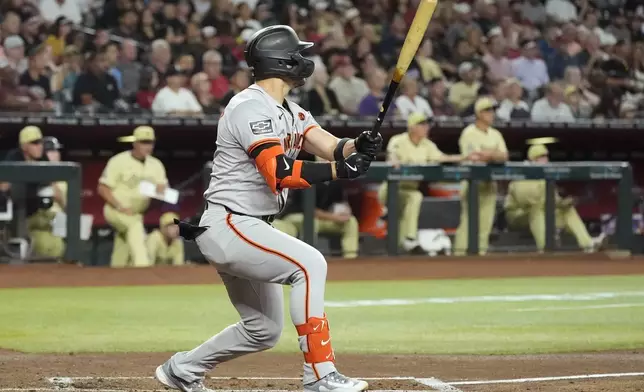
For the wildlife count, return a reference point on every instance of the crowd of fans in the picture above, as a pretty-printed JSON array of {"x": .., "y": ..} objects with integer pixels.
[{"x": 552, "y": 60}]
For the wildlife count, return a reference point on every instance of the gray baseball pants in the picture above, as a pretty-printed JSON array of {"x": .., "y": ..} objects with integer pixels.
[{"x": 254, "y": 260}]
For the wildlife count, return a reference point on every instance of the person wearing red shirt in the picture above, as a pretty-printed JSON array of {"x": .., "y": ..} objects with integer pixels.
[{"x": 219, "y": 84}]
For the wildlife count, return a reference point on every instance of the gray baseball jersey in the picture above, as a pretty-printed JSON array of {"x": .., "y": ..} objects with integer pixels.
[{"x": 252, "y": 117}]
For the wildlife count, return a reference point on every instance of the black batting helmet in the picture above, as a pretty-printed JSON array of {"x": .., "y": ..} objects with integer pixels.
[
  {"x": 276, "y": 52},
  {"x": 51, "y": 143}
]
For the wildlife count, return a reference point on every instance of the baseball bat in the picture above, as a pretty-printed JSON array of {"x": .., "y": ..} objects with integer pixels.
[{"x": 410, "y": 47}]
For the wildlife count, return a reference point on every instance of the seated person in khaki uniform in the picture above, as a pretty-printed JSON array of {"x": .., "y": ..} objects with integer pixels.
[
  {"x": 40, "y": 211},
  {"x": 40, "y": 223},
  {"x": 481, "y": 143},
  {"x": 412, "y": 148},
  {"x": 124, "y": 203},
  {"x": 525, "y": 207},
  {"x": 165, "y": 247},
  {"x": 332, "y": 216}
]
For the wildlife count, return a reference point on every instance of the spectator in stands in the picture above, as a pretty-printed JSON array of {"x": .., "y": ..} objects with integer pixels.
[
  {"x": 160, "y": 56},
  {"x": 129, "y": 68},
  {"x": 95, "y": 88},
  {"x": 568, "y": 53},
  {"x": 534, "y": 12},
  {"x": 480, "y": 142},
  {"x": 412, "y": 148},
  {"x": 393, "y": 39},
  {"x": 573, "y": 78},
  {"x": 213, "y": 42},
  {"x": 124, "y": 203},
  {"x": 513, "y": 107},
  {"x": 551, "y": 107},
  {"x": 498, "y": 65},
  {"x": 35, "y": 77},
  {"x": 572, "y": 98},
  {"x": 174, "y": 99},
  {"x": 463, "y": 17},
  {"x": 488, "y": 15},
  {"x": 348, "y": 88},
  {"x": 70, "y": 9},
  {"x": 212, "y": 66},
  {"x": 14, "y": 98},
  {"x": 64, "y": 79},
  {"x": 525, "y": 206},
  {"x": 238, "y": 82},
  {"x": 10, "y": 24},
  {"x": 148, "y": 28},
  {"x": 464, "y": 52},
  {"x": 58, "y": 36},
  {"x": 128, "y": 25},
  {"x": 164, "y": 245},
  {"x": 172, "y": 29},
  {"x": 409, "y": 101},
  {"x": 111, "y": 51},
  {"x": 14, "y": 54},
  {"x": 437, "y": 101},
  {"x": 530, "y": 69},
  {"x": 245, "y": 17},
  {"x": 147, "y": 88},
  {"x": 464, "y": 93},
  {"x": 30, "y": 32},
  {"x": 371, "y": 103},
  {"x": 561, "y": 11},
  {"x": 201, "y": 88},
  {"x": 185, "y": 62},
  {"x": 429, "y": 68},
  {"x": 321, "y": 99}
]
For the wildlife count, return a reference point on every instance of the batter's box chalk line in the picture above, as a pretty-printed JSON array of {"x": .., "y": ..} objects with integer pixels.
[{"x": 435, "y": 384}]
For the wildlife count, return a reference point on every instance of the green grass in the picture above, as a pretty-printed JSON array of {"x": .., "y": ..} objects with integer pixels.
[{"x": 168, "y": 318}]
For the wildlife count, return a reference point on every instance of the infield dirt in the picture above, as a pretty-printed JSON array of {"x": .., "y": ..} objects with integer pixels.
[{"x": 28, "y": 371}]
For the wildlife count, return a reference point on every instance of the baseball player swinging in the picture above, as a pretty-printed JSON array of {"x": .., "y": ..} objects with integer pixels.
[{"x": 259, "y": 138}]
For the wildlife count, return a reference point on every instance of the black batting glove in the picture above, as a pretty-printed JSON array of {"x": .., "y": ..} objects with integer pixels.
[
  {"x": 352, "y": 166},
  {"x": 367, "y": 144}
]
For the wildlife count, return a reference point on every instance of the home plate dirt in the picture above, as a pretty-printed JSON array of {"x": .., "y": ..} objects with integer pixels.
[{"x": 273, "y": 371}]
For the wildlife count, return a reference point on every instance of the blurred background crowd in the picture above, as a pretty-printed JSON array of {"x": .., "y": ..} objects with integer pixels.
[{"x": 552, "y": 60}]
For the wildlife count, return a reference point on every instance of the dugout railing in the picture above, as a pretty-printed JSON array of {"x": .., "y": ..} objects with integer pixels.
[{"x": 621, "y": 172}]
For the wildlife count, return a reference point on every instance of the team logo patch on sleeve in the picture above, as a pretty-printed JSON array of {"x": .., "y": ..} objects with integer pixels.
[{"x": 261, "y": 127}]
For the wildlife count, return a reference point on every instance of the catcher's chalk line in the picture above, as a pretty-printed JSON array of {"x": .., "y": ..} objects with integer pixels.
[
  {"x": 483, "y": 298},
  {"x": 65, "y": 383}
]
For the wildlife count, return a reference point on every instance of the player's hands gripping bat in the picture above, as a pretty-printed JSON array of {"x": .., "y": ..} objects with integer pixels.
[
  {"x": 368, "y": 144},
  {"x": 352, "y": 166},
  {"x": 414, "y": 37}
]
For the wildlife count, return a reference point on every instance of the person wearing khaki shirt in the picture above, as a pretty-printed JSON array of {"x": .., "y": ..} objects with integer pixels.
[
  {"x": 462, "y": 94},
  {"x": 525, "y": 207},
  {"x": 165, "y": 247},
  {"x": 481, "y": 143},
  {"x": 412, "y": 148},
  {"x": 124, "y": 203}
]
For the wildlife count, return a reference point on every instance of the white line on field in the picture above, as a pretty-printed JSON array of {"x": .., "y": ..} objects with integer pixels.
[
  {"x": 162, "y": 390},
  {"x": 69, "y": 380},
  {"x": 438, "y": 385},
  {"x": 537, "y": 379},
  {"x": 554, "y": 308},
  {"x": 484, "y": 298}
]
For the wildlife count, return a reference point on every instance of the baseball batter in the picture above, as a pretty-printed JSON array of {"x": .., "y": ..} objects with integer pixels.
[{"x": 259, "y": 138}]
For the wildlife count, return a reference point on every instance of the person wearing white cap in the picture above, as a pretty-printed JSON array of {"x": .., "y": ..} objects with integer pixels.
[
  {"x": 464, "y": 93},
  {"x": 561, "y": 10},
  {"x": 14, "y": 54},
  {"x": 124, "y": 203}
]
